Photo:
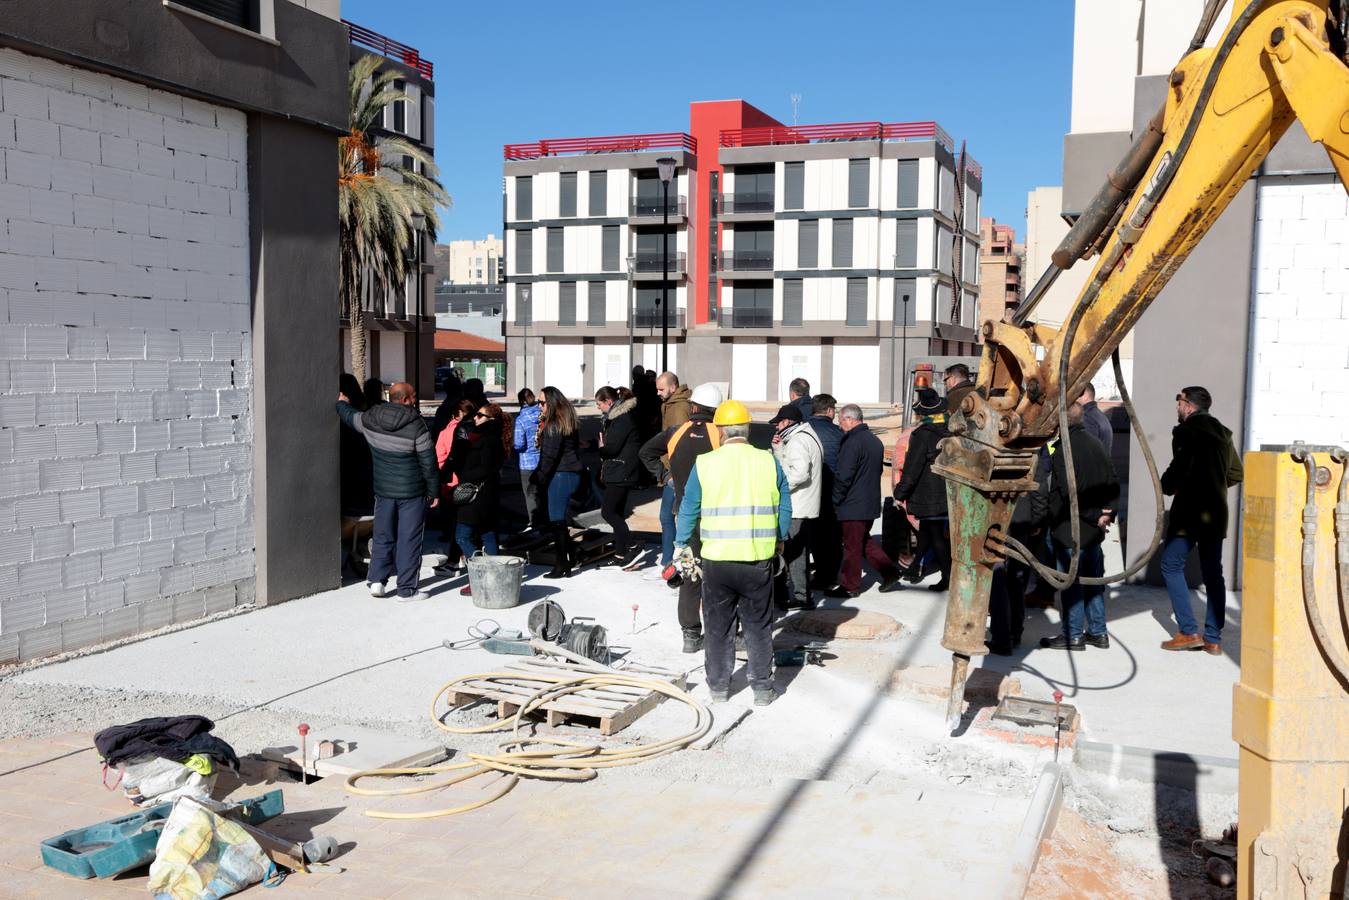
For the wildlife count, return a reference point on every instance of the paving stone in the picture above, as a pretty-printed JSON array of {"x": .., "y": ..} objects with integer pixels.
[{"x": 844, "y": 623}]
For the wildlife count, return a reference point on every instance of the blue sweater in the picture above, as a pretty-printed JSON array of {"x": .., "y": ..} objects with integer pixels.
[
  {"x": 527, "y": 437},
  {"x": 692, "y": 507}
]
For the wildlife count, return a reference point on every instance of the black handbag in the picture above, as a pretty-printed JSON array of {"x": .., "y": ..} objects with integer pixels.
[{"x": 465, "y": 493}]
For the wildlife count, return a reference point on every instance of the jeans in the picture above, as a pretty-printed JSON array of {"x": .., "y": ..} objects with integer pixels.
[
  {"x": 794, "y": 551},
  {"x": 397, "y": 543},
  {"x": 614, "y": 511},
  {"x": 1077, "y": 595},
  {"x": 465, "y": 536},
  {"x": 667, "y": 524},
  {"x": 737, "y": 591},
  {"x": 1174, "y": 554},
  {"x": 531, "y": 492},
  {"x": 857, "y": 542},
  {"x": 560, "y": 489}
]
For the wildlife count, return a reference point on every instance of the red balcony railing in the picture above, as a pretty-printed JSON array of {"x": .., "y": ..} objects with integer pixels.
[
  {"x": 972, "y": 166},
  {"x": 408, "y": 56},
  {"x": 618, "y": 143},
  {"x": 843, "y": 131}
]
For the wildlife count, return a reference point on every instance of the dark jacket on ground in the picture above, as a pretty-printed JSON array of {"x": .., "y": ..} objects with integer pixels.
[
  {"x": 1097, "y": 489},
  {"x": 1204, "y": 464},
  {"x": 831, "y": 436},
  {"x": 168, "y": 737},
  {"x": 956, "y": 394},
  {"x": 356, "y": 488},
  {"x": 619, "y": 466},
  {"x": 806, "y": 405},
  {"x": 655, "y": 453},
  {"x": 857, "y": 478},
  {"x": 1098, "y": 425},
  {"x": 402, "y": 453},
  {"x": 924, "y": 489},
  {"x": 558, "y": 452},
  {"x": 477, "y": 457}
]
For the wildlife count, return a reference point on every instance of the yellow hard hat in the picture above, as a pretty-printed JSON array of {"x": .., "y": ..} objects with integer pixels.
[{"x": 731, "y": 412}]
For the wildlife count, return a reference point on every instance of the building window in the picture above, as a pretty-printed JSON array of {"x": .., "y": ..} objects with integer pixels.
[
  {"x": 970, "y": 262},
  {"x": 524, "y": 251},
  {"x": 859, "y": 186},
  {"x": 400, "y": 110},
  {"x": 857, "y": 301},
  {"x": 794, "y": 186},
  {"x": 524, "y": 306},
  {"x": 713, "y": 246},
  {"x": 908, "y": 184},
  {"x": 554, "y": 250},
  {"x": 567, "y": 202},
  {"x": 649, "y": 310},
  {"x": 753, "y": 189},
  {"x": 566, "y": 303},
  {"x": 752, "y": 305},
  {"x": 609, "y": 248},
  {"x": 842, "y": 244},
  {"x": 753, "y": 248},
  {"x": 808, "y": 243},
  {"x": 599, "y": 193},
  {"x": 906, "y": 289},
  {"x": 943, "y": 254},
  {"x": 596, "y": 313},
  {"x": 906, "y": 244},
  {"x": 793, "y": 300},
  {"x": 524, "y": 198},
  {"x": 235, "y": 12}
]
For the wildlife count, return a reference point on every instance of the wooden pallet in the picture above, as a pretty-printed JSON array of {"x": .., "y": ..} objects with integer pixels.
[{"x": 611, "y": 708}]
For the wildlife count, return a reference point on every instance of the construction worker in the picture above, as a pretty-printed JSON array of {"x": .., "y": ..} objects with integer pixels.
[{"x": 739, "y": 499}]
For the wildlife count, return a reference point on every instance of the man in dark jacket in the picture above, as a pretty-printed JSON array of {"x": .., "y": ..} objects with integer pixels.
[
  {"x": 680, "y": 447},
  {"x": 798, "y": 395},
  {"x": 1097, "y": 490},
  {"x": 406, "y": 484},
  {"x": 857, "y": 503},
  {"x": 958, "y": 384},
  {"x": 1204, "y": 464},
  {"x": 1094, "y": 420},
  {"x": 923, "y": 491},
  {"x": 826, "y": 539}
]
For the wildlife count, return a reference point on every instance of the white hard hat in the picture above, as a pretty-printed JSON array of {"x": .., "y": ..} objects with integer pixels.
[{"x": 708, "y": 396}]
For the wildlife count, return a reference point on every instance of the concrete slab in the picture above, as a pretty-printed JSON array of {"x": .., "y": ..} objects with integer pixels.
[{"x": 358, "y": 749}]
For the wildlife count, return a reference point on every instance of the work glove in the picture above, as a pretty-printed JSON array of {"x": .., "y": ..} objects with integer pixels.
[{"x": 687, "y": 565}]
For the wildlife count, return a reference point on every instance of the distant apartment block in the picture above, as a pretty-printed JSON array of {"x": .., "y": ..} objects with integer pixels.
[
  {"x": 1000, "y": 264},
  {"x": 792, "y": 251},
  {"x": 469, "y": 262}
]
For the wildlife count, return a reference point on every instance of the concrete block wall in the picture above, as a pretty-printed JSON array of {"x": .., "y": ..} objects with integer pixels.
[
  {"x": 1300, "y": 334},
  {"x": 125, "y": 365}
]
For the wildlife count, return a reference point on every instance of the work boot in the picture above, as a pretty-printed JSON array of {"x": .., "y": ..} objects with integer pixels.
[
  {"x": 764, "y": 696},
  {"x": 720, "y": 696},
  {"x": 891, "y": 584},
  {"x": 693, "y": 639},
  {"x": 1184, "y": 642},
  {"x": 1061, "y": 642},
  {"x": 1101, "y": 640},
  {"x": 839, "y": 592},
  {"x": 561, "y": 552}
]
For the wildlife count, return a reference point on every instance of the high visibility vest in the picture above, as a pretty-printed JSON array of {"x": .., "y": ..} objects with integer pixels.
[
  {"x": 739, "y": 520},
  {"x": 713, "y": 437}
]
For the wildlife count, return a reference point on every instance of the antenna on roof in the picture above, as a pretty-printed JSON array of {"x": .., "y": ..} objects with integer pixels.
[{"x": 796, "y": 102}]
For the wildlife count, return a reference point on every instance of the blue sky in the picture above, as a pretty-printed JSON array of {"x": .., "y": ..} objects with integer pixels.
[{"x": 995, "y": 74}]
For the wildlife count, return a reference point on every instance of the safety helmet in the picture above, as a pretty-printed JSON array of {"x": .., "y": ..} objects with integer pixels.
[
  {"x": 732, "y": 412},
  {"x": 708, "y": 396}
]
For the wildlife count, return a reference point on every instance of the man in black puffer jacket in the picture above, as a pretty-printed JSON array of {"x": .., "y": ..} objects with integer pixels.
[
  {"x": 406, "y": 484},
  {"x": 924, "y": 491}
]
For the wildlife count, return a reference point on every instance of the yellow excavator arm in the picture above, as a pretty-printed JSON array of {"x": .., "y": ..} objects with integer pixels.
[{"x": 1226, "y": 107}]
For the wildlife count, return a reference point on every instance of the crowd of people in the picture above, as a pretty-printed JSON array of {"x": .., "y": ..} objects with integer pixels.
[{"x": 747, "y": 530}]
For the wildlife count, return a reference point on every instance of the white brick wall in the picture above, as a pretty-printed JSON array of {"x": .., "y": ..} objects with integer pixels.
[
  {"x": 125, "y": 382},
  {"x": 1300, "y": 335}
]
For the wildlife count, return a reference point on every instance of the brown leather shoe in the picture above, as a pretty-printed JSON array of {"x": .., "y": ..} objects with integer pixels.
[
  {"x": 1213, "y": 649},
  {"x": 1184, "y": 642}
]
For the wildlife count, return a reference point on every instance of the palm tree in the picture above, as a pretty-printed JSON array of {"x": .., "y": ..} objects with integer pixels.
[{"x": 382, "y": 185}]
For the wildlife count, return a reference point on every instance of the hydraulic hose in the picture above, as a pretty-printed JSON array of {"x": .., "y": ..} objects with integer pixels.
[{"x": 1338, "y": 664}]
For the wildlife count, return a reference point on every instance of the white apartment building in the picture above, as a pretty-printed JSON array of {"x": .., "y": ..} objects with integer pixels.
[
  {"x": 810, "y": 251},
  {"x": 472, "y": 262}
]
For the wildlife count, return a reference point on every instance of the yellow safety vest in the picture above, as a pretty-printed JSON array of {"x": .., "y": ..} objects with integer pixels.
[{"x": 739, "y": 519}]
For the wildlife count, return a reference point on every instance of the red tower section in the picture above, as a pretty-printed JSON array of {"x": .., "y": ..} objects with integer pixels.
[{"x": 707, "y": 119}]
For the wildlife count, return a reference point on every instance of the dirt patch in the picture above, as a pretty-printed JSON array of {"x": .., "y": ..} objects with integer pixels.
[{"x": 1079, "y": 863}]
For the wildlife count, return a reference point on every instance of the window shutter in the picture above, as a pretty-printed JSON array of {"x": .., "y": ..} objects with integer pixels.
[
  {"x": 566, "y": 303},
  {"x": 842, "y": 244},
  {"x": 524, "y": 198},
  {"x": 794, "y": 193},
  {"x": 524, "y": 251},
  {"x": 554, "y": 249},
  {"x": 599, "y": 193},
  {"x": 567, "y": 203},
  {"x": 858, "y": 182},
  {"x": 808, "y": 244},
  {"x": 792, "y": 301},
  {"x": 908, "y": 183},
  {"x": 609, "y": 248},
  {"x": 857, "y": 301},
  {"x": 596, "y": 312},
  {"x": 905, "y": 313},
  {"x": 906, "y": 244}
]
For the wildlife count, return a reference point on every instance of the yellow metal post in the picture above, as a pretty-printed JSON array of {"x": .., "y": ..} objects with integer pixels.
[{"x": 1290, "y": 713}]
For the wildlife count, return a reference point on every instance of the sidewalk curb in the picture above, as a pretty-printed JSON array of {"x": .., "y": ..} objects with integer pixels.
[
  {"x": 1038, "y": 825},
  {"x": 1190, "y": 771}
]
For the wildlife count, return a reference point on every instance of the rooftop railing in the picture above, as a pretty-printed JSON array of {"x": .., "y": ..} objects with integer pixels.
[
  {"x": 835, "y": 133},
  {"x": 620, "y": 143},
  {"x": 384, "y": 46}
]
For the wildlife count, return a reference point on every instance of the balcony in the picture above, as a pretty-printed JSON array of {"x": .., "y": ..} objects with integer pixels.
[
  {"x": 619, "y": 143},
  {"x": 748, "y": 317},
  {"x": 746, "y": 207},
  {"x": 650, "y": 318},
  {"x": 388, "y": 48},
  {"x": 836, "y": 133},
  {"x": 746, "y": 263},
  {"x": 649, "y": 211},
  {"x": 651, "y": 266}
]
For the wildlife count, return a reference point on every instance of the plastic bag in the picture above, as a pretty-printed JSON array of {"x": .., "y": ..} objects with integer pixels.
[
  {"x": 201, "y": 856},
  {"x": 152, "y": 779}
]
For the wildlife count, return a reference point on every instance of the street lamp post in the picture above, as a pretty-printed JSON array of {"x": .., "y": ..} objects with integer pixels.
[
  {"x": 665, "y": 166},
  {"x": 904, "y": 326},
  {"x": 418, "y": 220},
  {"x": 524, "y": 299}
]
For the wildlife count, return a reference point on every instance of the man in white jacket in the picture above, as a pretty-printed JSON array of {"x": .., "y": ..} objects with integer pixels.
[{"x": 801, "y": 456}]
